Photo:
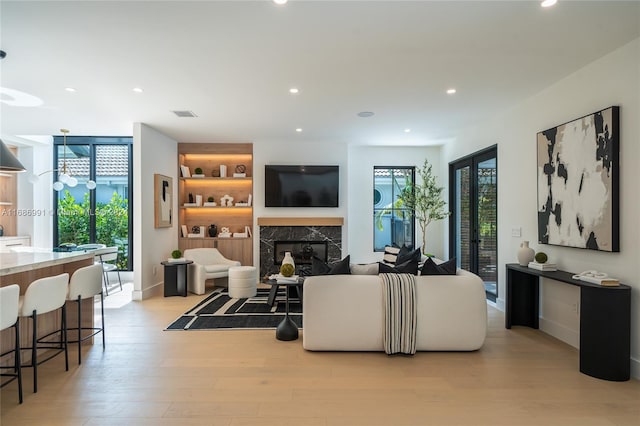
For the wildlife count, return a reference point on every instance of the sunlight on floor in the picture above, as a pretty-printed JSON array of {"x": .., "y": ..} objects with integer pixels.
[{"x": 117, "y": 298}]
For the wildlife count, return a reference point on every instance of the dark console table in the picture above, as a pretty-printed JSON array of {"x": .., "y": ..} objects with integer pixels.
[{"x": 605, "y": 319}]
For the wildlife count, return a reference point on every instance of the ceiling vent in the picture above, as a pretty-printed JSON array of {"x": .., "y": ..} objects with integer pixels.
[{"x": 184, "y": 113}]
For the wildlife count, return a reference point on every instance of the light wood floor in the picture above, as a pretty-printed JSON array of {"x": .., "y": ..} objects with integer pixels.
[{"x": 148, "y": 376}]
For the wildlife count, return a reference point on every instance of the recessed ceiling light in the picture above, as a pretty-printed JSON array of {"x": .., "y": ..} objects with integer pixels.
[
  {"x": 294, "y": 90},
  {"x": 298, "y": 130},
  {"x": 137, "y": 90},
  {"x": 69, "y": 89},
  {"x": 451, "y": 91},
  {"x": 548, "y": 3},
  {"x": 280, "y": 2},
  {"x": 365, "y": 114},
  {"x": 407, "y": 130}
]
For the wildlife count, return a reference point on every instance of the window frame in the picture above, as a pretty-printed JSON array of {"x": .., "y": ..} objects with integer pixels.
[
  {"x": 394, "y": 194},
  {"x": 93, "y": 142}
]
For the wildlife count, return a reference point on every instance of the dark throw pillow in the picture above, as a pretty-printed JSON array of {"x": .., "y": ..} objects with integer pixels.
[
  {"x": 318, "y": 267},
  {"x": 446, "y": 268},
  {"x": 406, "y": 254},
  {"x": 408, "y": 267}
]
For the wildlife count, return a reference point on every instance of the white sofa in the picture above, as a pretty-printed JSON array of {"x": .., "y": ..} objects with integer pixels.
[
  {"x": 345, "y": 313},
  {"x": 208, "y": 263}
]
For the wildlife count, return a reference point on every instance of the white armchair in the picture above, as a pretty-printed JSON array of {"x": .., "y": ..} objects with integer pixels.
[{"x": 208, "y": 263}]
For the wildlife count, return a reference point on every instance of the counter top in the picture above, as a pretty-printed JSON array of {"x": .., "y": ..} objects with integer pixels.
[{"x": 12, "y": 262}]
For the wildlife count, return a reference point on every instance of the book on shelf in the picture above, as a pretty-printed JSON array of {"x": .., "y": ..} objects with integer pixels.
[
  {"x": 184, "y": 231},
  {"x": 189, "y": 205},
  {"x": 209, "y": 204},
  {"x": 240, "y": 235},
  {"x": 200, "y": 175},
  {"x": 198, "y": 200},
  {"x": 543, "y": 266},
  {"x": 185, "y": 171},
  {"x": 239, "y": 175},
  {"x": 195, "y": 235},
  {"x": 247, "y": 229}
]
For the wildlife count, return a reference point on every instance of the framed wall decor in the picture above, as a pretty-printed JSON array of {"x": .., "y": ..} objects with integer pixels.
[
  {"x": 163, "y": 201},
  {"x": 578, "y": 182}
]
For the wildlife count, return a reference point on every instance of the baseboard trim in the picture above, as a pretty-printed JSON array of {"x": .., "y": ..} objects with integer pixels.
[
  {"x": 635, "y": 368},
  {"x": 561, "y": 332},
  {"x": 155, "y": 290}
]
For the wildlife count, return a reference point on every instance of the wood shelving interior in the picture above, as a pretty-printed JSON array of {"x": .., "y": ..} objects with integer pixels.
[{"x": 237, "y": 158}]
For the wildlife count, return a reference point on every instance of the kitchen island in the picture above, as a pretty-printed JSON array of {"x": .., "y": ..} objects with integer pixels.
[{"x": 27, "y": 265}]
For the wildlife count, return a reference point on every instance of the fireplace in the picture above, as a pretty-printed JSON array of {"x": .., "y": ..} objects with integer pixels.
[
  {"x": 302, "y": 251},
  {"x": 279, "y": 235}
]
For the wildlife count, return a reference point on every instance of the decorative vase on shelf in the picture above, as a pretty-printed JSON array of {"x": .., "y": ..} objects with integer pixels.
[
  {"x": 213, "y": 230},
  {"x": 525, "y": 254}
]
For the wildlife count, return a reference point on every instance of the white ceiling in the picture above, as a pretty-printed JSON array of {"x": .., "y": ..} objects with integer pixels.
[{"x": 233, "y": 62}]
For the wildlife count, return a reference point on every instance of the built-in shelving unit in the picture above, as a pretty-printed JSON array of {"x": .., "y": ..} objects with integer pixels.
[
  {"x": 9, "y": 201},
  {"x": 237, "y": 158}
]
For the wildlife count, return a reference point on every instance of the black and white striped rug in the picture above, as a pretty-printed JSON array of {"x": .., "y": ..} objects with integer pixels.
[{"x": 219, "y": 311}]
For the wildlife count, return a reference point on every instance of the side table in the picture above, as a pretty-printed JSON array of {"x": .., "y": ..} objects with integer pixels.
[
  {"x": 175, "y": 278},
  {"x": 287, "y": 329}
]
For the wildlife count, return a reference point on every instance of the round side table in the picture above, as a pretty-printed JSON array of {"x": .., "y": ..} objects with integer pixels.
[
  {"x": 175, "y": 277},
  {"x": 287, "y": 329}
]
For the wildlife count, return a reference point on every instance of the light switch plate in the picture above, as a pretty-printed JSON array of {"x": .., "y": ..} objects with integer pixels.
[{"x": 516, "y": 232}]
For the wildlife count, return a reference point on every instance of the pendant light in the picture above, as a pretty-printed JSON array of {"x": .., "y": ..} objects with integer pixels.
[
  {"x": 64, "y": 176},
  {"x": 8, "y": 161}
]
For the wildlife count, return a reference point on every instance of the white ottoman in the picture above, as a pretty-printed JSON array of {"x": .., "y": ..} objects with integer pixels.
[{"x": 243, "y": 281}]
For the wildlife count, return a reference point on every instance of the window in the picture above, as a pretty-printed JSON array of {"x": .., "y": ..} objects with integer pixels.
[
  {"x": 393, "y": 224},
  {"x": 103, "y": 215}
]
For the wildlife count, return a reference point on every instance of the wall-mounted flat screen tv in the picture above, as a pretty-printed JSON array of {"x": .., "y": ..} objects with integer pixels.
[{"x": 301, "y": 186}]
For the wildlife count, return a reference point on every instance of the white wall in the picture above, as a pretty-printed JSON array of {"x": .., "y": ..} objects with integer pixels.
[
  {"x": 35, "y": 194},
  {"x": 611, "y": 80},
  {"x": 274, "y": 152},
  {"x": 153, "y": 152},
  {"x": 361, "y": 162}
]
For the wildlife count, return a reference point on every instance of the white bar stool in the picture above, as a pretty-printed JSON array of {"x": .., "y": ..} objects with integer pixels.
[
  {"x": 42, "y": 296},
  {"x": 108, "y": 258},
  {"x": 86, "y": 282},
  {"x": 9, "y": 307}
]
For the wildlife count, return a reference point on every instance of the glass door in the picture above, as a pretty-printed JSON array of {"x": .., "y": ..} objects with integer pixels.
[{"x": 473, "y": 231}]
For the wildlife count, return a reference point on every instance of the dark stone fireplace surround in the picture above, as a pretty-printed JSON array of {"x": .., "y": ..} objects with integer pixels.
[{"x": 297, "y": 232}]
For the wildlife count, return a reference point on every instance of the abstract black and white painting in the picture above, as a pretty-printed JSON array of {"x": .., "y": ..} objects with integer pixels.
[{"x": 578, "y": 172}]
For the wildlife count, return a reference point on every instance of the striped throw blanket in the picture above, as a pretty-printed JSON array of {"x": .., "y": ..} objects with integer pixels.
[{"x": 400, "y": 313}]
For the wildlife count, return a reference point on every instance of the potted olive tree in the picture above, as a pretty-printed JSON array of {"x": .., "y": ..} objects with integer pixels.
[{"x": 425, "y": 199}]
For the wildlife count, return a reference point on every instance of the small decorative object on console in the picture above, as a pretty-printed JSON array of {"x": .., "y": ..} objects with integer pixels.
[
  {"x": 525, "y": 254},
  {"x": 543, "y": 266},
  {"x": 595, "y": 277},
  {"x": 541, "y": 257}
]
